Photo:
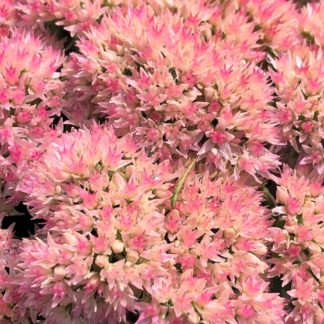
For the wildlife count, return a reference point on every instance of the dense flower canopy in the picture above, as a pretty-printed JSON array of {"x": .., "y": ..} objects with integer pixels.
[
  {"x": 157, "y": 77},
  {"x": 30, "y": 94},
  {"x": 297, "y": 249},
  {"x": 113, "y": 238},
  {"x": 161, "y": 161}
]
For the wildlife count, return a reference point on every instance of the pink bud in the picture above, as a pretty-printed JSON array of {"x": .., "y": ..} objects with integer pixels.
[{"x": 282, "y": 195}]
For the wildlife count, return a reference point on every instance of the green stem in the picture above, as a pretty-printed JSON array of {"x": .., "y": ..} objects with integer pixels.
[{"x": 181, "y": 182}]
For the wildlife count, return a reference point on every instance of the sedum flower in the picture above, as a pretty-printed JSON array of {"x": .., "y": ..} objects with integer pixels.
[
  {"x": 298, "y": 245},
  {"x": 30, "y": 94},
  {"x": 217, "y": 232},
  {"x": 120, "y": 245},
  {"x": 8, "y": 262},
  {"x": 298, "y": 76},
  {"x": 278, "y": 21},
  {"x": 178, "y": 93},
  {"x": 8, "y": 16},
  {"x": 175, "y": 109},
  {"x": 102, "y": 201},
  {"x": 75, "y": 15},
  {"x": 311, "y": 24}
]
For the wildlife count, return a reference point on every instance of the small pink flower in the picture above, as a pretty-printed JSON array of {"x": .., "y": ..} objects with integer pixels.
[
  {"x": 307, "y": 126},
  {"x": 246, "y": 311},
  {"x": 218, "y": 137},
  {"x": 304, "y": 234},
  {"x": 138, "y": 242},
  {"x": 294, "y": 251},
  {"x": 292, "y": 205},
  {"x": 24, "y": 117},
  {"x": 4, "y": 96},
  {"x": 173, "y": 221}
]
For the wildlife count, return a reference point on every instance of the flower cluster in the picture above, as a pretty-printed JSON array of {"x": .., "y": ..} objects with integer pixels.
[
  {"x": 77, "y": 16},
  {"x": 310, "y": 23},
  {"x": 161, "y": 161},
  {"x": 6, "y": 248},
  {"x": 102, "y": 201},
  {"x": 8, "y": 16},
  {"x": 155, "y": 77},
  {"x": 278, "y": 21},
  {"x": 217, "y": 232},
  {"x": 114, "y": 241},
  {"x": 297, "y": 253},
  {"x": 30, "y": 94},
  {"x": 298, "y": 76}
]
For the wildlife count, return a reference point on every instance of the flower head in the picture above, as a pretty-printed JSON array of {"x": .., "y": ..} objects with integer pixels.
[
  {"x": 298, "y": 76},
  {"x": 102, "y": 201},
  {"x": 179, "y": 93},
  {"x": 30, "y": 94},
  {"x": 310, "y": 23},
  {"x": 297, "y": 249}
]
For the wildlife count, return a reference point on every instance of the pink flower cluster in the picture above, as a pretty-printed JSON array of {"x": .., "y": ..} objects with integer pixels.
[
  {"x": 298, "y": 246},
  {"x": 30, "y": 94},
  {"x": 167, "y": 156}
]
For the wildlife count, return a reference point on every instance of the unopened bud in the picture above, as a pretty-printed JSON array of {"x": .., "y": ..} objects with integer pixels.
[
  {"x": 70, "y": 239},
  {"x": 132, "y": 256},
  {"x": 177, "y": 243},
  {"x": 229, "y": 233},
  {"x": 59, "y": 272},
  {"x": 102, "y": 261},
  {"x": 118, "y": 246},
  {"x": 282, "y": 195},
  {"x": 194, "y": 318},
  {"x": 259, "y": 249}
]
